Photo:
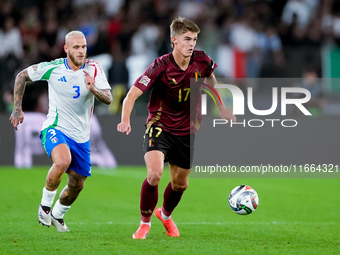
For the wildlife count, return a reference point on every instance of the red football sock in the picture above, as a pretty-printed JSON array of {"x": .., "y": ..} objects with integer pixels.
[
  {"x": 171, "y": 200},
  {"x": 148, "y": 200}
]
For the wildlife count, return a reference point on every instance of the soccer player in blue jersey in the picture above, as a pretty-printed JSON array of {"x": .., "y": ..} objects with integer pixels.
[
  {"x": 170, "y": 128},
  {"x": 73, "y": 83}
]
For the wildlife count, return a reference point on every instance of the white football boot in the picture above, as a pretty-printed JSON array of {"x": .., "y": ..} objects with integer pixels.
[
  {"x": 44, "y": 216},
  {"x": 60, "y": 225}
]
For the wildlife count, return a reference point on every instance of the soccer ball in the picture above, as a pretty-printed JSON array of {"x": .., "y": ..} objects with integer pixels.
[{"x": 243, "y": 200}]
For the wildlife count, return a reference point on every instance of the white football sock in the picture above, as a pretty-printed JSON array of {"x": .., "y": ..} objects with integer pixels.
[
  {"x": 147, "y": 223},
  {"x": 48, "y": 197},
  {"x": 164, "y": 216},
  {"x": 59, "y": 210}
]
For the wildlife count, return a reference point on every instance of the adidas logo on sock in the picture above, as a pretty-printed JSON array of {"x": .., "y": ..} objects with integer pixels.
[{"x": 62, "y": 79}]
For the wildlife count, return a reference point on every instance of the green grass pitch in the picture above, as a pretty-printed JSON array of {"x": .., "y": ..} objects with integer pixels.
[{"x": 295, "y": 216}]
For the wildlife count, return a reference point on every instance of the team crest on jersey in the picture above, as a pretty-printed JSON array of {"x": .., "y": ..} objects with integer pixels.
[
  {"x": 144, "y": 80},
  {"x": 35, "y": 68}
]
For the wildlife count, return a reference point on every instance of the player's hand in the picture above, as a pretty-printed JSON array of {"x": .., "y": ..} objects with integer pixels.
[
  {"x": 227, "y": 114},
  {"x": 16, "y": 118},
  {"x": 89, "y": 81},
  {"x": 124, "y": 127}
]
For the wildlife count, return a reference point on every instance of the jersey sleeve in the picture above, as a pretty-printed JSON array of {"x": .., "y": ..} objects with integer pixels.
[
  {"x": 100, "y": 80},
  {"x": 143, "y": 82},
  {"x": 210, "y": 64},
  {"x": 150, "y": 75},
  {"x": 43, "y": 70},
  {"x": 203, "y": 57},
  {"x": 210, "y": 70},
  {"x": 97, "y": 72}
]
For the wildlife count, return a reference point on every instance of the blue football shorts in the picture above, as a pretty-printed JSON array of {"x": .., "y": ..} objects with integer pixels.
[{"x": 80, "y": 152}]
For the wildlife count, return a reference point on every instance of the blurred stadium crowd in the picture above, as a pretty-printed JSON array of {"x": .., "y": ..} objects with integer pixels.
[{"x": 267, "y": 38}]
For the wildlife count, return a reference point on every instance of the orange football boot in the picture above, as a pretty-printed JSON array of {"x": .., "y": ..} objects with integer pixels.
[
  {"x": 170, "y": 227},
  {"x": 141, "y": 232}
]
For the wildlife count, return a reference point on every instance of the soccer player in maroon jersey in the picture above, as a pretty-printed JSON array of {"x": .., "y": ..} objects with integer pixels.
[{"x": 168, "y": 136}]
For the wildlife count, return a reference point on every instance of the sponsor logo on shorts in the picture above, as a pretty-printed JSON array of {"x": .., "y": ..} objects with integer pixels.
[{"x": 144, "y": 80}]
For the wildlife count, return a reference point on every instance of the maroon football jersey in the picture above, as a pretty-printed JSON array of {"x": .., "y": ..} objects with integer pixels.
[{"x": 171, "y": 98}]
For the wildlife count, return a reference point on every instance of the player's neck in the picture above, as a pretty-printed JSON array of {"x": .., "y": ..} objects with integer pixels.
[{"x": 181, "y": 60}]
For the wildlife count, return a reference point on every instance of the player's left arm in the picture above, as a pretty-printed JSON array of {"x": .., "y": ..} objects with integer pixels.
[
  {"x": 103, "y": 95},
  {"x": 225, "y": 113}
]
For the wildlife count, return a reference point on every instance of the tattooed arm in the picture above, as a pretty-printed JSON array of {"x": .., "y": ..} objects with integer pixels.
[
  {"x": 17, "y": 115},
  {"x": 103, "y": 95}
]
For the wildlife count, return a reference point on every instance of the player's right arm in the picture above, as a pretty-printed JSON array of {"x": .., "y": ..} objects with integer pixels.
[
  {"x": 17, "y": 115},
  {"x": 128, "y": 103}
]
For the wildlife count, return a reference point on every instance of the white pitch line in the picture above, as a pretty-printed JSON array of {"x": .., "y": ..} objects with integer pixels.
[{"x": 194, "y": 223}]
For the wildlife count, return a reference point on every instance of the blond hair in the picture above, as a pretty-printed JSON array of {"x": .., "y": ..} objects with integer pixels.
[
  {"x": 73, "y": 33},
  {"x": 182, "y": 25}
]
